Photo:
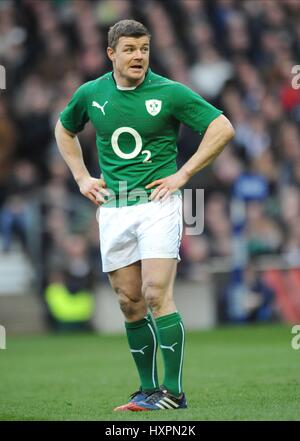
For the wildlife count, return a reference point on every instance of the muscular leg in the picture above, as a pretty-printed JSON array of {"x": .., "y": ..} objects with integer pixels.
[
  {"x": 127, "y": 284},
  {"x": 158, "y": 277},
  {"x": 140, "y": 329}
]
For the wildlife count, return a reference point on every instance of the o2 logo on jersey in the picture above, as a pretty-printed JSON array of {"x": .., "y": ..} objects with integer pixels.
[
  {"x": 153, "y": 107},
  {"x": 138, "y": 144}
]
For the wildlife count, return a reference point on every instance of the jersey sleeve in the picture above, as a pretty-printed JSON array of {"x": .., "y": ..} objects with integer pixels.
[
  {"x": 191, "y": 109},
  {"x": 75, "y": 116}
]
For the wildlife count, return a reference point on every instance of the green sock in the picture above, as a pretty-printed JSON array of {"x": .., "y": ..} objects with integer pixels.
[
  {"x": 171, "y": 339},
  {"x": 142, "y": 339}
]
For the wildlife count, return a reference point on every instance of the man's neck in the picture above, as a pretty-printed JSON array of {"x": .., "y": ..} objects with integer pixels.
[{"x": 124, "y": 83}]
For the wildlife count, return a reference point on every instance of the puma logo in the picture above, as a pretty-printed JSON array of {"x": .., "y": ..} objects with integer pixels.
[
  {"x": 139, "y": 350},
  {"x": 95, "y": 104},
  {"x": 169, "y": 347}
]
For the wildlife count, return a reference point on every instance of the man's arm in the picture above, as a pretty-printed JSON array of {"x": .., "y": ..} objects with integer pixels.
[
  {"x": 70, "y": 150},
  {"x": 217, "y": 135}
]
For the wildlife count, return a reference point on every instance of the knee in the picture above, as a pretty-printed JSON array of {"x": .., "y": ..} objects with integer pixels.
[
  {"x": 131, "y": 306},
  {"x": 153, "y": 293}
]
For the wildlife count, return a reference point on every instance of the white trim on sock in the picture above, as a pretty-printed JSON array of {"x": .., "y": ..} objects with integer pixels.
[
  {"x": 181, "y": 360},
  {"x": 154, "y": 355}
]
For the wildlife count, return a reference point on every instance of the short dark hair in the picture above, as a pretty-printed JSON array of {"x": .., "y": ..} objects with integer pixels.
[{"x": 126, "y": 28}]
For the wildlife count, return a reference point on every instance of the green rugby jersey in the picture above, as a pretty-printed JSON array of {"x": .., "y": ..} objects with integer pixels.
[{"x": 136, "y": 129}]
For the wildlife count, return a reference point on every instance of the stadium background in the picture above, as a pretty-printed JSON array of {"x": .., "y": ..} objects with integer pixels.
[{"x": 239, "y": 55}]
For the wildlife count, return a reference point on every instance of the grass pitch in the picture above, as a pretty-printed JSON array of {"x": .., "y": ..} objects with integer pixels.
[{"x": 234, "y": 373}]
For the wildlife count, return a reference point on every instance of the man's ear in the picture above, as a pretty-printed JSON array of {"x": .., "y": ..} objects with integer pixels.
[{"x": 110, "y": 53}]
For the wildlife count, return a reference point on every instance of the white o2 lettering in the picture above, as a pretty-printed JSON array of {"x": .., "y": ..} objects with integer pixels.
[
  {"x": 148, "y": 155},
  {"x": 138, "y": 144}
]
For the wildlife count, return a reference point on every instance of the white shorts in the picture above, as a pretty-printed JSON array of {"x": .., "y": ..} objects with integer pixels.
[{"x": 137, "y": 232}]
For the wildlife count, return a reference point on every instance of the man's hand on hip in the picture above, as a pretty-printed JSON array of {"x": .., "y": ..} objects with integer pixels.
[
  {"x": 93, "y": 188},
  {"x": 167, "y": 186}
]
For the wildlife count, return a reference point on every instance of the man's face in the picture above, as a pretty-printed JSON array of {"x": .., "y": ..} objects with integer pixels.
[{"x": 130, "y": 59}]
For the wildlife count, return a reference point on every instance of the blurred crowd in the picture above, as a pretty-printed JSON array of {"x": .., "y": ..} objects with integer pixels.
[{"x": 238, "y": 55}]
